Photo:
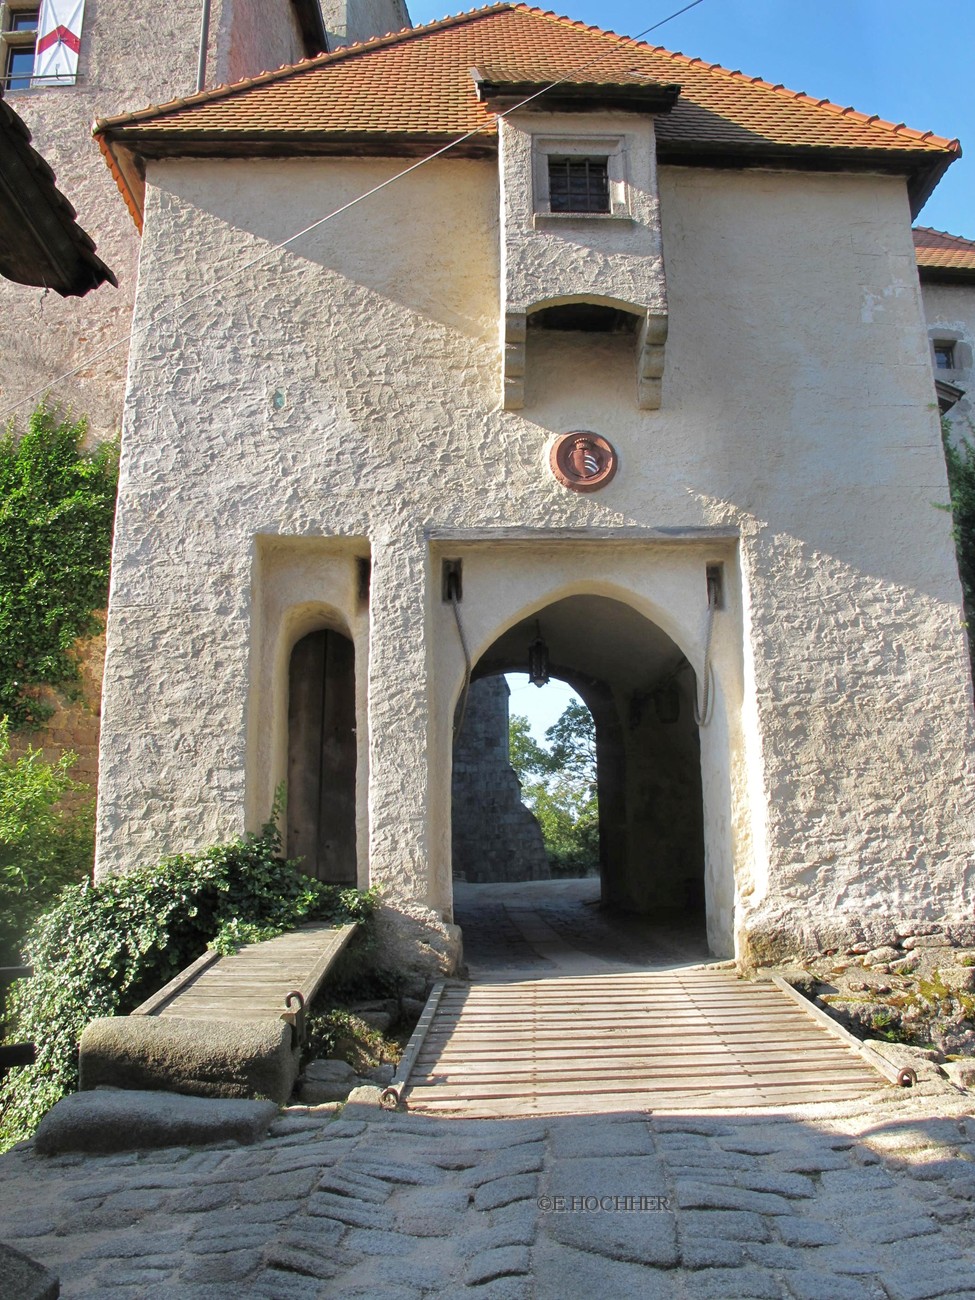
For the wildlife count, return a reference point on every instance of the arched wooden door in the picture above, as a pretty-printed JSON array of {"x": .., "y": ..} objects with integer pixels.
[{"x": 322, "y": 757}]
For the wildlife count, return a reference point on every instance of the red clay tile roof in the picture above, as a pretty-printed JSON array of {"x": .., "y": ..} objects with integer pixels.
[
  {"x": 417, "y": 84},
  {"x": 941, "y": 256}
]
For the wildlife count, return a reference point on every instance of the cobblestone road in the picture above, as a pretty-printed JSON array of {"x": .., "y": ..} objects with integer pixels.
[{"x": 846, "y": 1205}]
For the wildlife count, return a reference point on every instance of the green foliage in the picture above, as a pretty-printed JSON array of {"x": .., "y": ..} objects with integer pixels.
[
  {"x": 104, "y": 948},
  {"x": 340, "y": 1033},
  {"x": 558, "y": 783},
  {"x": 960, "y": 460},
  {"x": 42, "y": 847},
  {"x": 57, "y": 505}
]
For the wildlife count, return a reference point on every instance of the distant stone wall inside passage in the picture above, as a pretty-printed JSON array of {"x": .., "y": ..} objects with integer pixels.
[{"x": 495, "y": 837}]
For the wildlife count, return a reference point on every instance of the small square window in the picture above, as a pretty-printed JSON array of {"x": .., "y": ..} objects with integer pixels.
[
  {"x": 578, "y": 184},
  {"x": 944, "y": 354},
  {"x": 19, "y": 41},
  {"x": 25, "y": 20}
]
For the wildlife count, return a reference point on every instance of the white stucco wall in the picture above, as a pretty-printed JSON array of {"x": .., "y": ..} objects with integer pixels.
[
  {"x": 796, "y": 416},
  {"x": 949, "y": 310},
  {"x": 131, "y": 56},
  {"x": 348, "y": 21}
]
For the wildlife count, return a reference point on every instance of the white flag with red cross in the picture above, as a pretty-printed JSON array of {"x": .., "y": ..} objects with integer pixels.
[{"x": 58, "y": 41}]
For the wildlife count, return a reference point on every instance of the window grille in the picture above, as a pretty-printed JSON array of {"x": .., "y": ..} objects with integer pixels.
[{"x": 578, "y": 184}]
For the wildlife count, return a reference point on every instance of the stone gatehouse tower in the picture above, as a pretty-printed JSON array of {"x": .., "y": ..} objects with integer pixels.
[{"x": 637, "y": 367}]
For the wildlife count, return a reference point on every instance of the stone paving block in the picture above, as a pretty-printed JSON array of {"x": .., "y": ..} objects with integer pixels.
[
  {"x": 526, "y": 1159},
  {"x": 211, "y": 1240},
  {"x": 134, "y": 1246},
  {"x": 424, "y": 1274},
  {"x": 700, "y": 1196},
  {"x": 772, "y": 1254},
  {"x": 28, "y": 1224},
  {"x": 792, "y": 1186},
  {"x": 143, "y": 1276},
  {"x": 907, "y": 1283},
  {"x": 696, "y": 1127},
  {"x": 375, "y": 1241},
  {"x": 743, "y": 1283},
  {"x": 806, "y": 1232},
  {"x": 501, "y": 1288},
  {"x": 579, "y": 1138},
  {"x": 141, "y": 1199},
  {"x": 849, "y": 1261},
  {"x": 260, "y": 1212},
  {"x": 433, "y": 1212},
  {"x": 294, "y": 1185},
  {"x": 561, "y": 1272},
  {"x": 231, "y": 1266},
  {"x": 644, "y": 1237},
  {"x": 282, "y": 1284},
  {"x": 356, "y": 1214},
  {"x": 808, "y": 1284},
  {"x": 700, "y": 1253},
  {"x": 388, "y": 1171},
  {"x": 862, "y": 1180},
  {"x": 351, "y": 1182},
  {"x": 727, "y": 1163},
  {"x": 810, "y": 1162},
  {"x": 198, "y": 1200},
  {"x": 727, "y": 1225},
  {"x": 293, "y": 1259},
  {"x": 90, "y": 1222},
  {"x": 750, "y": 1146},
  {"x": 500, "y": 1261},
  {"x": 502, "y": 1191},
  {"x": 881, "y": 1229}
]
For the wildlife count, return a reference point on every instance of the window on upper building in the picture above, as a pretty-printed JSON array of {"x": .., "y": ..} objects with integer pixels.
[
  {"x": 579, "y": 176},
  {"x": 944, "y": 354},
  {"x": 19, "y": 44},
  {"x": 578, "y": 184}
]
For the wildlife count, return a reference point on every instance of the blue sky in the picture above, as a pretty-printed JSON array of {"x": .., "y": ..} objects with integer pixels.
[{"x": 898, "y": 59}]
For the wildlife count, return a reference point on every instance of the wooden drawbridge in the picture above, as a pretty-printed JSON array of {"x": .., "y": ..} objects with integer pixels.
[{"x": 684, "y": 1039}]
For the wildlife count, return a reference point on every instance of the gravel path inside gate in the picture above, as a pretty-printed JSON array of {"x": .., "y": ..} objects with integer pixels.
[{"x": 849, "y": 1203}]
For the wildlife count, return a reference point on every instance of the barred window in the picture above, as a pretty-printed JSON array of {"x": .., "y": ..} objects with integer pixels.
[{"x": 578, "y": 184}]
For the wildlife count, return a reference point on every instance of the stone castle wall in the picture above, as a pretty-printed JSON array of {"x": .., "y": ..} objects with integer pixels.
[{"x": 495, "y": 837}]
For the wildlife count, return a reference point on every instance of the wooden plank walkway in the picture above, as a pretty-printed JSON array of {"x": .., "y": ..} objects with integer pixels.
[
  {"x": 683, "y": 1039},
  {"x": 253, "y": 983}
]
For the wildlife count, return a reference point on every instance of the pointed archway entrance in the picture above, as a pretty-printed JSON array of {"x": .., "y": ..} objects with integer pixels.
[{"x": 640, "y": 691}]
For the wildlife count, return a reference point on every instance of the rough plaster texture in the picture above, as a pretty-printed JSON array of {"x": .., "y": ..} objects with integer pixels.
[
  {"x": 550, "y": 257},
  {"x": 252, "y": 36},
  {"x": 796, "y": 434},
  {"x": 494, "y": 835},
  {"x": 949, "y": 310},
  {"x": 131, "y": 56},
  {"x": 348, "y": 21}
]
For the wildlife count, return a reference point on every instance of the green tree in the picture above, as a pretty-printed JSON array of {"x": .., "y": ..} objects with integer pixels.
[
  {"x": 558, "y": 783},
  {"x": 57, "y": 507}
]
